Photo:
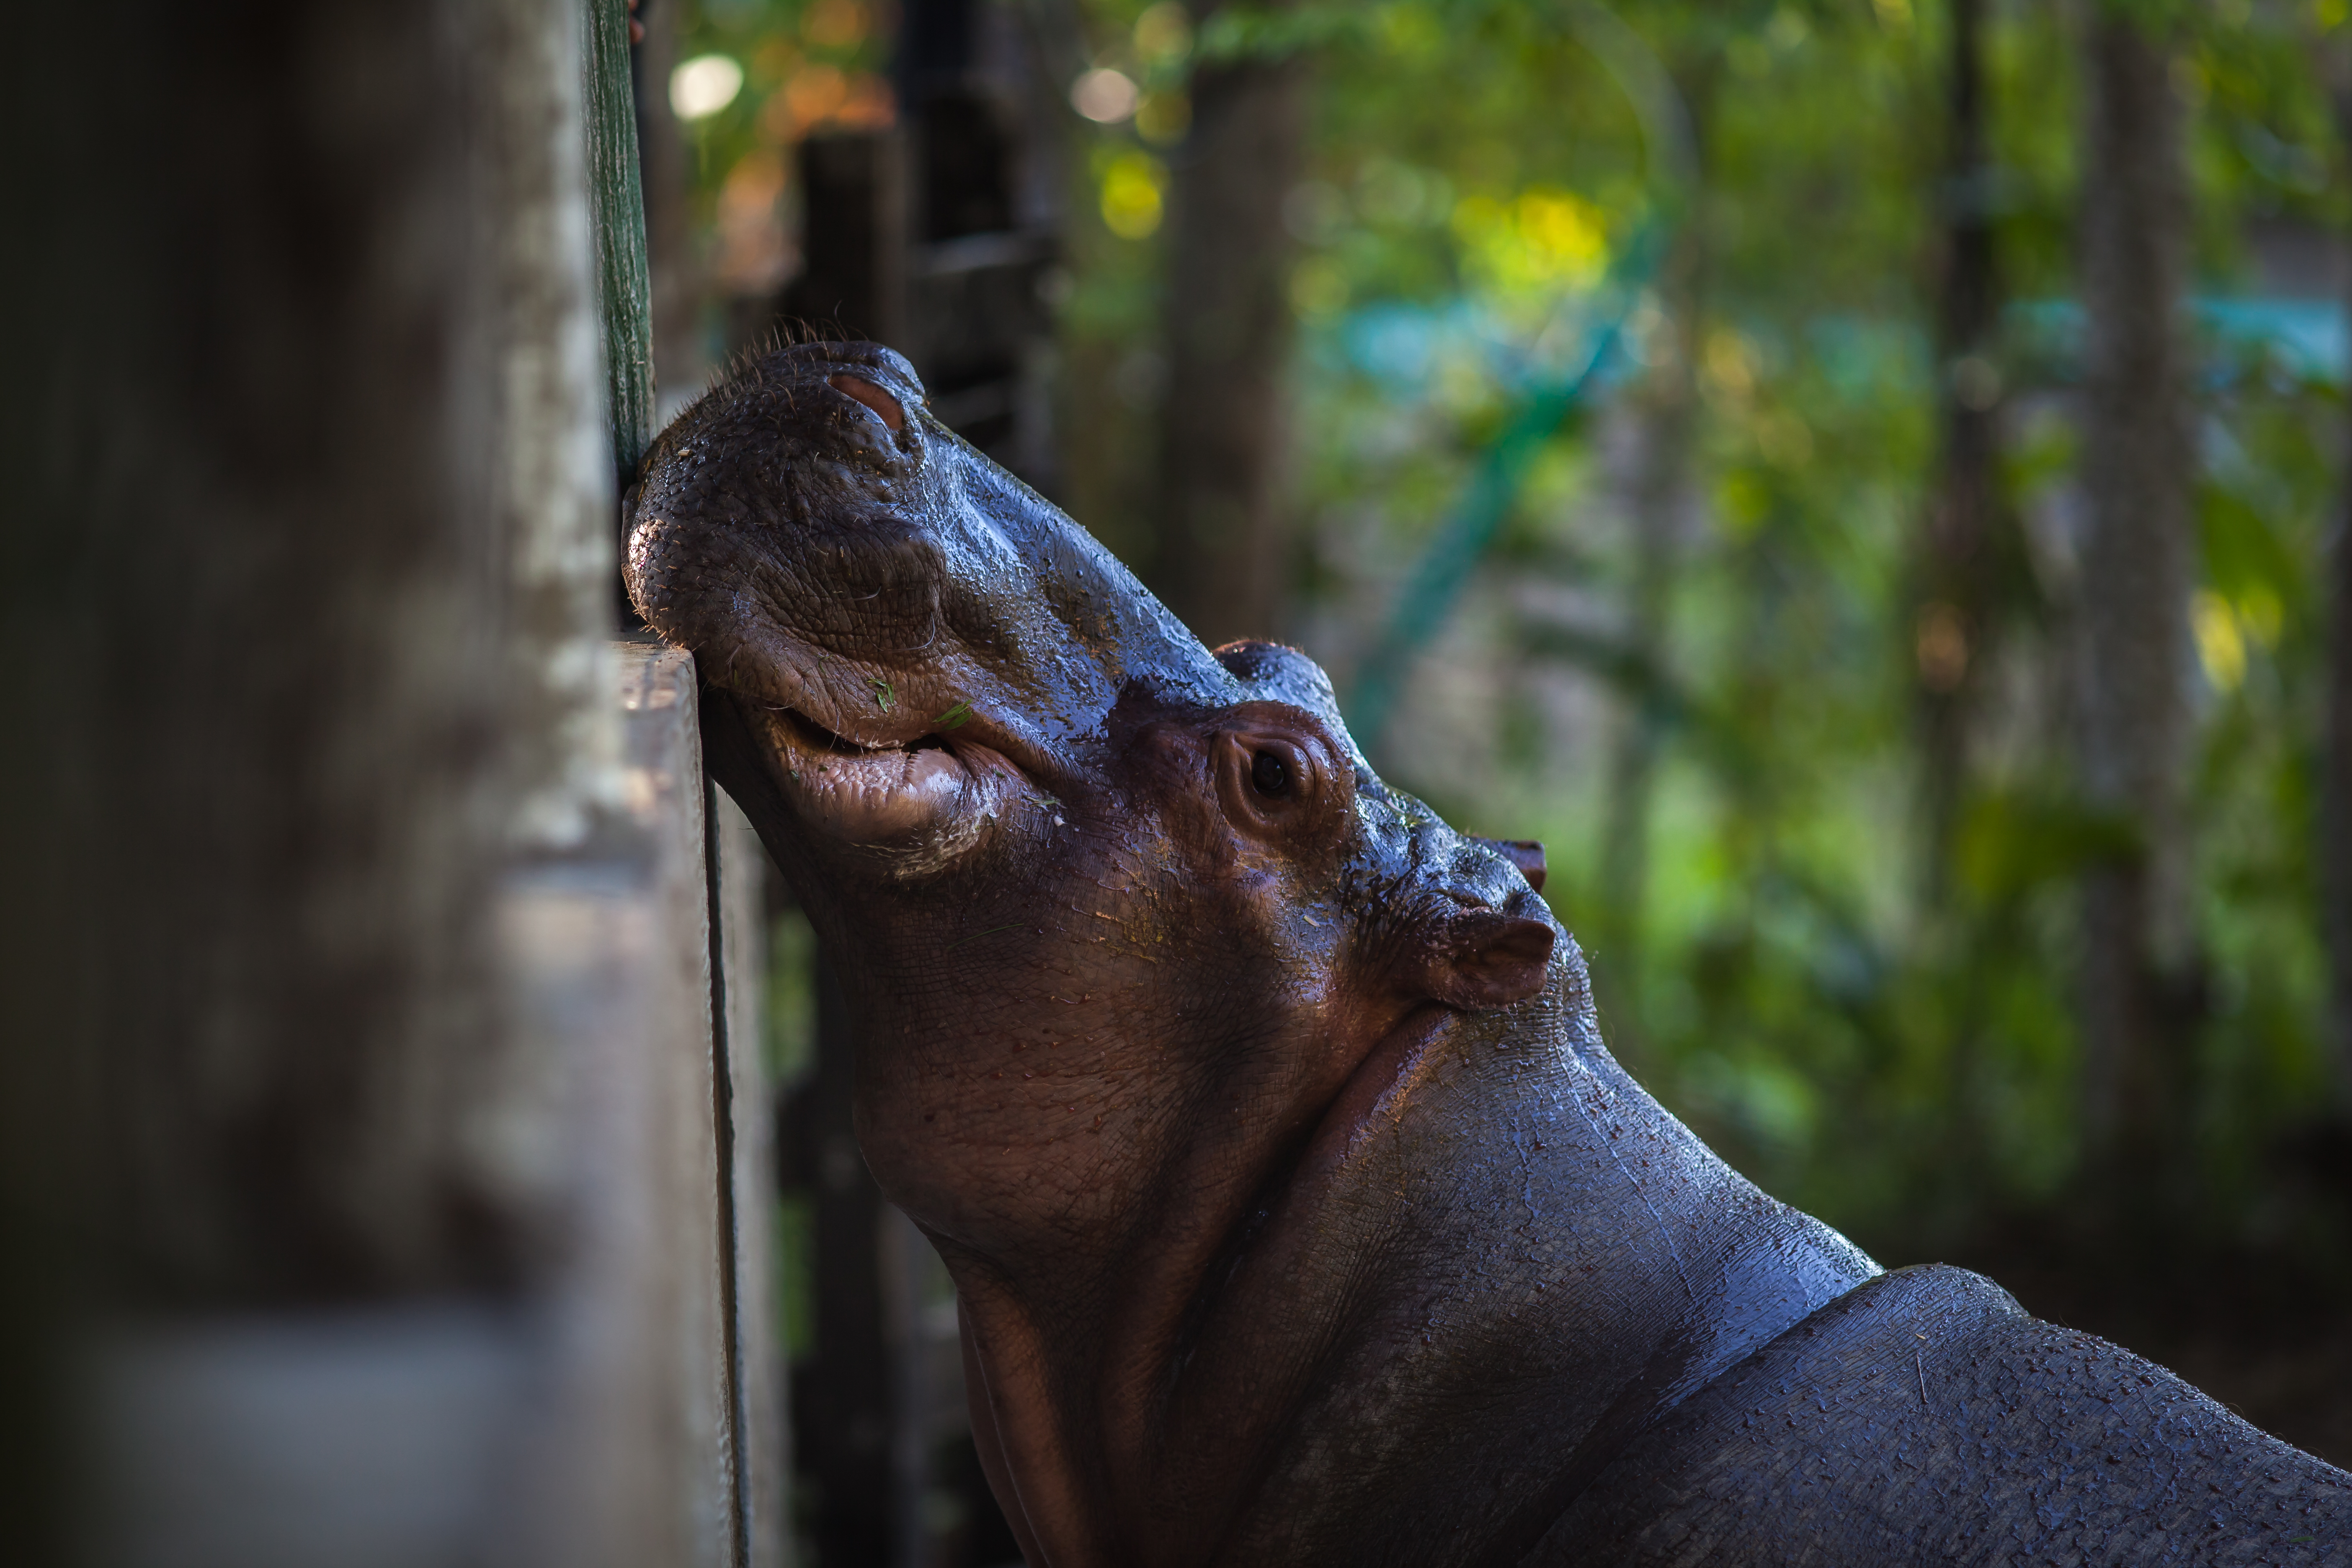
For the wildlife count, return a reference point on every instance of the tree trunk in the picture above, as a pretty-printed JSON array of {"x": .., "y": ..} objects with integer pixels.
[
  {"x": 1669, "y": 422},
  {"x": 1223, "y": 554},
  {"x": 2136, "y": 557},
  {"x": 2335, "y": 794},
  {"x": 1956, "y": 579},
  {"x": 1661, "y": 493}
]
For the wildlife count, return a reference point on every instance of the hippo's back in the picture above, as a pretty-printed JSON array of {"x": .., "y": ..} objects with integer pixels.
[{"x": 1925, "y": 1418}]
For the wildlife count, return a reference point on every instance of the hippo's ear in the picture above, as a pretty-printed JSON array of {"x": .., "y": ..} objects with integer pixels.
[
  {"x": 1484, "y": 958},
  {"x": 1526, "y": 854}
]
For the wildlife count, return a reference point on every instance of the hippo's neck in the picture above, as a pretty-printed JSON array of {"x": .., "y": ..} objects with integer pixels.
[{"x": 1518, "y": 1249}]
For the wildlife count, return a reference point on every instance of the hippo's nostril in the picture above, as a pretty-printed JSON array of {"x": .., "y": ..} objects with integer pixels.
[{"x": 873, "y": 396}]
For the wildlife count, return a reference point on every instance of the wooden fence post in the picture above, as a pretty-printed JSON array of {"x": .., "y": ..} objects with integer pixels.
[
  {"x": 393, "y": 1158},
  {"x": 616, "y": 198}
]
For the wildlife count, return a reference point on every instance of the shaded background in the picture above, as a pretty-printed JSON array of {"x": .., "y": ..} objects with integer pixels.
[{"x": 1861, "y": 480}]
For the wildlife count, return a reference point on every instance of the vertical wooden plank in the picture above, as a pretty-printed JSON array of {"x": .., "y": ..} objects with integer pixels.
[
  {"x": 640, "y": 1447},
  {"x": 926, "y": 1386},
  {"x": 842, "y": 1395},
  {"x": 551, "y": 483},
  {"x": 616, "y": 198},
  {"x": 683, "y": 1264},
  {"x": 580, "y": 943},
  {"x": 266, "y": 501},
  {"x": 763, "y": 1455}
]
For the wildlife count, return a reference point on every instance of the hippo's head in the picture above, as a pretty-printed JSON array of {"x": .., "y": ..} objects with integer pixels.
[{"x": 1136, "y": 944}]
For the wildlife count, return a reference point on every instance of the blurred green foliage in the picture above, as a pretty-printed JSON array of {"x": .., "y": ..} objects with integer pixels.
[{"x": 1887, "y": 1042}]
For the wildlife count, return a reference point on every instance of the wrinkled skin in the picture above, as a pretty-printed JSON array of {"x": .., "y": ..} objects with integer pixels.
[{"x": 1296, "y": 1212}]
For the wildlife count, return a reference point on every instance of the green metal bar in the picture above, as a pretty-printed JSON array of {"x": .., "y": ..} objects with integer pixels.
[
  {"x": 616, "y": 204},
  {"x": 1437, "y": 578}
]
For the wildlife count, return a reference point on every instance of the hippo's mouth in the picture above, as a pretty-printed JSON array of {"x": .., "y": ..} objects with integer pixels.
[{"x": 923, "y": 803}]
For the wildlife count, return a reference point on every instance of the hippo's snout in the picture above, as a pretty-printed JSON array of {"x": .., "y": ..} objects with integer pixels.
[
  {"x": 795, "y": 530},
  {"x": 915, "y": 641}
]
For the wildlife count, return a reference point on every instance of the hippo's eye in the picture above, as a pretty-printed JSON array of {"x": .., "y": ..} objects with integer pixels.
[{"x": 1275, "y": 780}]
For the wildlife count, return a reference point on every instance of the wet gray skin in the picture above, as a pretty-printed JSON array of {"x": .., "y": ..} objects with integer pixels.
[{"x": 1296, "y": 1212}]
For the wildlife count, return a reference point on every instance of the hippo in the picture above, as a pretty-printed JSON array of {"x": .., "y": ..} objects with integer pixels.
[{"x": 1297, "y": 1212}]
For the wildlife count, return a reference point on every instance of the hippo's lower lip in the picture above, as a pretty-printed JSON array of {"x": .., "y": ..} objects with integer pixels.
[{"x": 927, "y": 801}]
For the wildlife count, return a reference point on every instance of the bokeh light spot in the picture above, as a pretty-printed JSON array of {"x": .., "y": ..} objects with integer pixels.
[
  {"x": 704, "y": 85},
  {"x": 1104, "y": 96}
]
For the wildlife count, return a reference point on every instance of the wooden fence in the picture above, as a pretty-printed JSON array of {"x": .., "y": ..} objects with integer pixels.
[
  {"x": 627, "y": 1408},
  {"x": 388, "y": 1156}
]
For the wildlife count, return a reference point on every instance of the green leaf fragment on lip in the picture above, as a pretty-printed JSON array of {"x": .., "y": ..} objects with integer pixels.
[
  {"x": 953, "y": 716},
  {"x": 883, "y": 698}
]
